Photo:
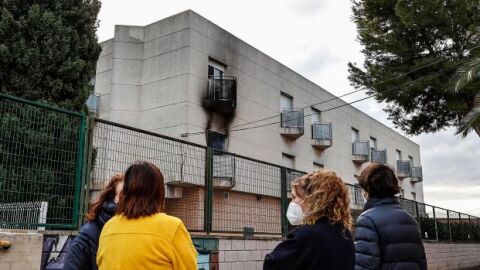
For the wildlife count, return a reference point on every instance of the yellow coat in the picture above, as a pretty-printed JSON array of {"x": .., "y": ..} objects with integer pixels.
[{"x": 157, "y": 242}]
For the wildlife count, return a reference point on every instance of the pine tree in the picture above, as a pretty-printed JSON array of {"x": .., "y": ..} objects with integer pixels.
[
  {"x": 49, "y": 50},
  {"x": 400, "y": 36}
]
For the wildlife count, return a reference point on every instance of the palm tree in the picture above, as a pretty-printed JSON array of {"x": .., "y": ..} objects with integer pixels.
[{"x": 465, "y": 75}]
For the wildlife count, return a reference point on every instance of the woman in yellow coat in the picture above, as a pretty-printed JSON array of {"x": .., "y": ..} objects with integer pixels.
[{"x": 140, "y": 236}]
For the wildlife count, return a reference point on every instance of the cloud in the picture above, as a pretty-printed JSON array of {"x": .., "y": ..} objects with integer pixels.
[
  {"x": 308, "y": 7},
  {"x": 449, "y": 159},
  {"x": 313, "y": 60}
]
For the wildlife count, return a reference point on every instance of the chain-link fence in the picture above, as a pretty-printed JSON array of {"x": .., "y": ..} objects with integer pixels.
[
  {"x": 42, "y": 164},
  {"x": 41, "y": 157}
]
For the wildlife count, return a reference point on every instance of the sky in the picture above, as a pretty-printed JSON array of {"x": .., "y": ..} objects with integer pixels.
[{"x": 317, "y": 39}]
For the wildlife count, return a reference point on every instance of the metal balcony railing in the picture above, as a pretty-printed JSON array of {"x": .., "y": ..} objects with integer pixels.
[
  {"x": 403, "y": 169},
  {"x": 292, "y": 123},
  {"x": 416, "y": 175},
  {"x": 322, "y": 135},
  {"x": 292, "y": 118},
  {"x": 379, "y": 156},
  {"x": 223, "y": 171},
  {"x": 222, "y": 93},
  {"x": 360, "y": 151}
]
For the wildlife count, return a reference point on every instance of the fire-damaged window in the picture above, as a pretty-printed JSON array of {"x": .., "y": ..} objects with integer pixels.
[
  {"x": 215, "y": 70},
  {"x": 221, "y": 90},
  {"x": 216, "y": 140}
]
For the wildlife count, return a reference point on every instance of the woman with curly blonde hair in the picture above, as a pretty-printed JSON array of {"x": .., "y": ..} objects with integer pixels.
[{"x": 320, "y": 205}]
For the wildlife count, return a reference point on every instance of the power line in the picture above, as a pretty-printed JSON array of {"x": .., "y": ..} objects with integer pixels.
[
  {"x": 345, "y": 104},
  {"x": 346, "y": 94},
  {"x": 330, "y": 109}
]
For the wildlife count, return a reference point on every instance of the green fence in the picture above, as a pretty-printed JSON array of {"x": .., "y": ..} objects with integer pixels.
[
  {"x": 52, "y": 164},
  {"x": 220, "y": 192},
  {"x": 41, "y": 157}
]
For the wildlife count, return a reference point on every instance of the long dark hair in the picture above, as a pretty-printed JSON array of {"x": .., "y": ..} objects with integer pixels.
[
  {"x": 108, "y": 194},
  {"x": 143, "y": 191}
]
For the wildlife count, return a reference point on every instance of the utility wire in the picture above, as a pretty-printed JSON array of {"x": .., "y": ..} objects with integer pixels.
[{"x": 343, "y": 95}]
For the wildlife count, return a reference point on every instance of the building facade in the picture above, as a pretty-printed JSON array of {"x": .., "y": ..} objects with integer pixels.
[{"x": 187, "y": 78}]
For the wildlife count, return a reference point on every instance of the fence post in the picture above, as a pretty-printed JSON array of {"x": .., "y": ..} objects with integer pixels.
[
  {"x": 283, "y": 199},
  {"x": 88, "y": 165},
  {"x": 449, "y": 227},
  {"x": 435, "y": 221},
  {"x": 79, "y": 170},
  {"x": 208, "y": 200},
  {"x": 418, "y": 217}
]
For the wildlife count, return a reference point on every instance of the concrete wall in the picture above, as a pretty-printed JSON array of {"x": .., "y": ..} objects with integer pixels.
[
  {"x": 158, "y": 79},
  {"x": 445, "y": 256},
  {"x": 25, "y": 253},
  {"x": 235, "y": 254},
  {"x": 33, "y": 251}
]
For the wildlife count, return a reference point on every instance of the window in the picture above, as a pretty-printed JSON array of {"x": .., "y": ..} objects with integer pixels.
[
  {"x": 399, "y": 155},
  {"x": 355, "y": 134},
  {"x": 316, "y": 116},
  {"x": 215, "y": 70},
  {"x": 373, "y": 143},
  {"x": 286, "y": 102},
  {"x": 216, "y": 140},
  {"x": 288, "y": 160},
  {"x": 411, "y": 160},
  {"x": 317, "y": 166},
  {"x": 414, "y": 196},
  {"x": 402, "y": 193}
]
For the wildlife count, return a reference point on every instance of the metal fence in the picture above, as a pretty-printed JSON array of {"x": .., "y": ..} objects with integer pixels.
[
  {"x": 43, "y": 167},
  {"x": 41, "y": 157},
  {"x": 220, "y": 192}
]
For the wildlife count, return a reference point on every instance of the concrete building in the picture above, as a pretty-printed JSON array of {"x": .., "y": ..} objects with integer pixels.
[{"x": 186, "y": 77}]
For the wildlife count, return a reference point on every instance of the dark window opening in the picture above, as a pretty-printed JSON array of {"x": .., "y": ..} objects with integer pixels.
[
  {"x": 215, "y": 72},
  {"x": 216, "y": 140}
]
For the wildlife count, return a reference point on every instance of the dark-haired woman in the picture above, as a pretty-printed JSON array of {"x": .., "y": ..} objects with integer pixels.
[
  {"x": 386, "y": 236},
  {"x": 83, "y": 250},
  {"x": 141, "y": 236}
]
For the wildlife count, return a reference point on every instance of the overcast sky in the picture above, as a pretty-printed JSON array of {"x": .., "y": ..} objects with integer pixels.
[{"x": 317, "y": 39}]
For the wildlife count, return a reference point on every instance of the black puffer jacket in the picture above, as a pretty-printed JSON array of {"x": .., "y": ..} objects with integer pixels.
[
  {"x": 387, "y": 237},
  {"x": 321, "y": 246},
  {"x": 83, "y": 250}
]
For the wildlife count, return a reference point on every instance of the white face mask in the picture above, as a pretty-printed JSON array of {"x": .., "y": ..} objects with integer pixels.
[
  {"x": 295, "y": 214},
  {"x": 365, "y": 197}
]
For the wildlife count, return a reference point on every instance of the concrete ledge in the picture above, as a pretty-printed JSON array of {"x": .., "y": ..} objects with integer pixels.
[{"x": 25, "y": 253}]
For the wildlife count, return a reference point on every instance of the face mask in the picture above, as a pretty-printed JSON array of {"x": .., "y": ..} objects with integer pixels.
[
  {"x": 365, "y": 197},
  {"x": 295, "y": 214}
]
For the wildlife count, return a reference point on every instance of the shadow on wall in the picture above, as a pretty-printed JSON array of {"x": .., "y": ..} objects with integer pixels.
[{"x": 55, "y": 250}]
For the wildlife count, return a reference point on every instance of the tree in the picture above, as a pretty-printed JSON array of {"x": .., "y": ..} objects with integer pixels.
[
  {"x": 467, "y": 74},
  {"x": 48, "y": 53},
  {"x": 401, "y": 37},
  {"x": 49, "y": 50}
]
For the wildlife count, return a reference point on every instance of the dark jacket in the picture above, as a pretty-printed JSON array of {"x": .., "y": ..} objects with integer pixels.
[
  {"x": 388, "y": 237},
  {"x": 83, "y": 250},
  {"x": 314, "y": 247}
]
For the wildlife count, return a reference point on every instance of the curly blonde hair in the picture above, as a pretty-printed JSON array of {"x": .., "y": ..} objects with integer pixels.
[{"x": 326, "y": 196}]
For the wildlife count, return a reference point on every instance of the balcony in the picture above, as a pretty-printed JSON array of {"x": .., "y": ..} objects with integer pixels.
[
  {"x": 223, "y": 171},
  {"x": 221, "y": 94},
  {"x": 416, "y": 175},
  {"x": 403, "y": 169},
  {"x": 360, "y": 151},
  {"x": 379, "y": 156},
  {"x": 291, "y": 123},
  {"x": 322, "y": 135}
]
